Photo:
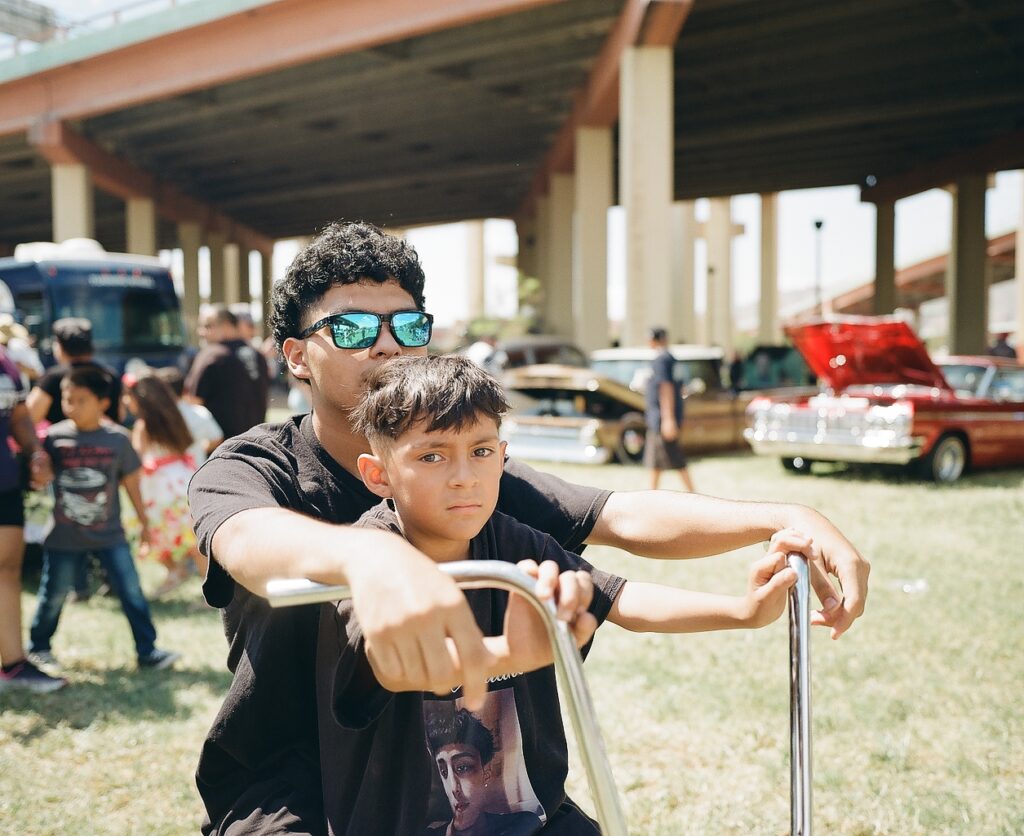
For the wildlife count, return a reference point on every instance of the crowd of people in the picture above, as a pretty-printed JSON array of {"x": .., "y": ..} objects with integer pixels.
[
  {"x": 86, "y": 433},
  {"x": 413, "y": 707}
]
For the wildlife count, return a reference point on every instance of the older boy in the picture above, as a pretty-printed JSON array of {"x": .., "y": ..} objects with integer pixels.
[
  {"x": 273, "y": 503},
  {"x": 91, "y": 458},
  {"x": 432, "y": 424}
]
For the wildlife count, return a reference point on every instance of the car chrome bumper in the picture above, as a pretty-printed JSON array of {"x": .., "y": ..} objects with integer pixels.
[
  {"x": 829, "y": 449},
  {"x": 555, "y": 449}
]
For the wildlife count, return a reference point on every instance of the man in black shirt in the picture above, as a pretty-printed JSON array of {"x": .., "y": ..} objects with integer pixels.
[
  {"x": 278, "y": 501},
  {"x": 228, "y": 376},
  {"x": 72, "y": 348}
]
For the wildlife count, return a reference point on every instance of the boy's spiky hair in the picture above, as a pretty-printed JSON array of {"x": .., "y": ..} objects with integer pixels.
[{"x": 448, "y": 392}]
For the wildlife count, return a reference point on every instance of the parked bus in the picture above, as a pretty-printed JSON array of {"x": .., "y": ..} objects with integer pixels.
[{"x": 130, "y": 300}]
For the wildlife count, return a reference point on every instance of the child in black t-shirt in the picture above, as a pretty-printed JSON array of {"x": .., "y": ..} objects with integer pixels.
[{"x": 399, "y": 761}]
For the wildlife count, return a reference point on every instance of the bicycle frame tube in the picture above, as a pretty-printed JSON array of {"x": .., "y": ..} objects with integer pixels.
[
  {"x": 478, "y": 574},
  {"x": 800, "y": 699}
]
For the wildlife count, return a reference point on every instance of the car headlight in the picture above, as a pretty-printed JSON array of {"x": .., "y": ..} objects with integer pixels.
[{"x": 895, "y": 418}]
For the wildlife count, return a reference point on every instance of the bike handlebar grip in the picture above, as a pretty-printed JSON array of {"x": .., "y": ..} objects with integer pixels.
[{"x": 477, "y": 574}]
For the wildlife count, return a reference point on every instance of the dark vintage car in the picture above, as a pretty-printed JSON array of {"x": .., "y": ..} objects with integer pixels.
[
  {"x": 596, "y": 414},
  {"x": 885, "y": 401}
]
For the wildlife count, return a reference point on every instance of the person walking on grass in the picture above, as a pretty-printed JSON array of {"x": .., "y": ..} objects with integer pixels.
[
  {"x": 162, "y": 439},
  {"x": 16, "y": 671},
  {"x": 664, "y": 414},
  {"x": 91, "y": 458}
]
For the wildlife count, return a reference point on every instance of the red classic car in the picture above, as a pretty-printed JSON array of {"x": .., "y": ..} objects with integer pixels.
[{"x": 884, "y": 400}]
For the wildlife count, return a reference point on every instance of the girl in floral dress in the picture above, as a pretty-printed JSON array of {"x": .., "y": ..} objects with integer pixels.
[{"x": 161, "y": 438}]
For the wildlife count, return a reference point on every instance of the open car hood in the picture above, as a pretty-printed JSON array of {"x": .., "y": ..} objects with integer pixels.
[{"x": 865, "y": 350}]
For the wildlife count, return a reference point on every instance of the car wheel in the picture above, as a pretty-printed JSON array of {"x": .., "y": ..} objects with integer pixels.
[
  {"x": 797, "y": 464},
  {"x": 631, "y": 444},
  {"x": 947, "y": 461}
]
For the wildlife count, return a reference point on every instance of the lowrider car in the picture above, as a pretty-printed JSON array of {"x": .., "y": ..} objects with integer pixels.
[
  {"x": 885, "y": 401},
  {"x": 596, "y": 415}
]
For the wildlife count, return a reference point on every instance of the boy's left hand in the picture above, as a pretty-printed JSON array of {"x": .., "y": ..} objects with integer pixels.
[
  {"x": 528, "y": 645},
  {"x": 768, "y": 586}
]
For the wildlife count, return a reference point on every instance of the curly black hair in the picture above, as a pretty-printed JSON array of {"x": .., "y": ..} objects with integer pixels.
[
  {"x": 460, "y": 727},
  {"x": 343, "y": 253}
]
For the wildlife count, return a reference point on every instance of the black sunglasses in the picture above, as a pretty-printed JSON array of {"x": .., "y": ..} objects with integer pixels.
[{"x": 361, "y": 329}]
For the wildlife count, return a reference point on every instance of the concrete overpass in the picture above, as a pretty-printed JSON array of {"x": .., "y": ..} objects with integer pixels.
[{"x": 236, "y": 122}]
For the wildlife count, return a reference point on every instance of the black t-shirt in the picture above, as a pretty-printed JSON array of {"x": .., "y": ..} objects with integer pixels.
[
  {"x": 232, "y": 379},
  {"x": 50, "y": 383},
  {"x": 379, "y": 771},
  {"x": 267, "y": 724}
]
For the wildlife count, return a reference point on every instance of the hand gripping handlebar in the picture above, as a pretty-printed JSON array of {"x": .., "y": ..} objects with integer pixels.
[{"x": 479, "y": 574}]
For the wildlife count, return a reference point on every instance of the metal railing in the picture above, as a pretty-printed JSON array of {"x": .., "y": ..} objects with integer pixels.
[
  {"x": 64, "y": 30},
  {"x": 479, "y": 574}
]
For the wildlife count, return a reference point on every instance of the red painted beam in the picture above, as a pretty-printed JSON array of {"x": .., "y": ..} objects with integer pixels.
[
  {"x": 59, "y": 144},
  {"x": 641, "y": 23},
  {"x": 270, "y": 37}
]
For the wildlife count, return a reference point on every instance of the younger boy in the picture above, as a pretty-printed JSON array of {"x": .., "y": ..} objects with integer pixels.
[
  {"x": 399, "y": 761},
  {"x": 91, "y": 457}
]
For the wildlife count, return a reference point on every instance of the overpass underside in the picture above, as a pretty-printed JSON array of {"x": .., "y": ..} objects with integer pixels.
[{"x": 238, "y": 122}]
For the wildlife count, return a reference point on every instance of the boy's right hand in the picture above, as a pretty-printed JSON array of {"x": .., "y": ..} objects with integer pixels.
[
  {"x": 420, "y": 633},
  {"x": 524, "y": 645}
]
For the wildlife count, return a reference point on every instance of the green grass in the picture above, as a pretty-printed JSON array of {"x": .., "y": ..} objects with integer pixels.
[{"x": 917, "y": 717}]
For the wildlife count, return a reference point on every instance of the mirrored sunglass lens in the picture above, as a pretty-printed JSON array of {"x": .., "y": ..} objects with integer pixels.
[
  {"x": 411, "y": 329},
  {"x": 356, "y": 330}
]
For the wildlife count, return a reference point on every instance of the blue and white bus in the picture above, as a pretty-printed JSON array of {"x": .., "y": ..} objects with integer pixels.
[{"x": 130, "y": 300}]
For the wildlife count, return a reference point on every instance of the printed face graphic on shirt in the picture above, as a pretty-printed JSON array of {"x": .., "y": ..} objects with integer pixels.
[
  {"x": 480, "y": 784},
  {"x": 462, "y": 775}
]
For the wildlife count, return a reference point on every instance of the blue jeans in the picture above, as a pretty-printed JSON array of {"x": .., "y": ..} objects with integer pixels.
[{"x": 58, "y": 579}]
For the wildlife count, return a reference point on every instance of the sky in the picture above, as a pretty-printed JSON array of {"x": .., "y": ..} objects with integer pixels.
[{"x": 923, "y": 225}]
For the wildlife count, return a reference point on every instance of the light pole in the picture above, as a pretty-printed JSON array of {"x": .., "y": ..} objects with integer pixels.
[{"x": 818, "y": 224}]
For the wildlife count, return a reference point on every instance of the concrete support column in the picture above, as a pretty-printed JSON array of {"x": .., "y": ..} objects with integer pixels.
[
  {"x": 233, "y": 289},
  {"x": 72, "y": 213},
  {"x": 543, "y": 250},
  {"x": 1020, "y": 277},
  {"x": 719, "y": 238},
  {"x": 526, "y": 252},
  {"x": 140, "y": 225},
  {"x": 475, "y": 268},
  {"x": 558, "y": 306},
  {"x": 682, "y": 322},
  {"x": 593, "y": 199},
  {"x": 768, "y": 331},
  {"x": 190, "y": 237},
  {"x": 885, "y": 257},
  {"x": 266, "y": 286},
  {"x": 646, "y": 183},
  {"x": 966, "y": 279},
  {"x": 216, "y": 242}
]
